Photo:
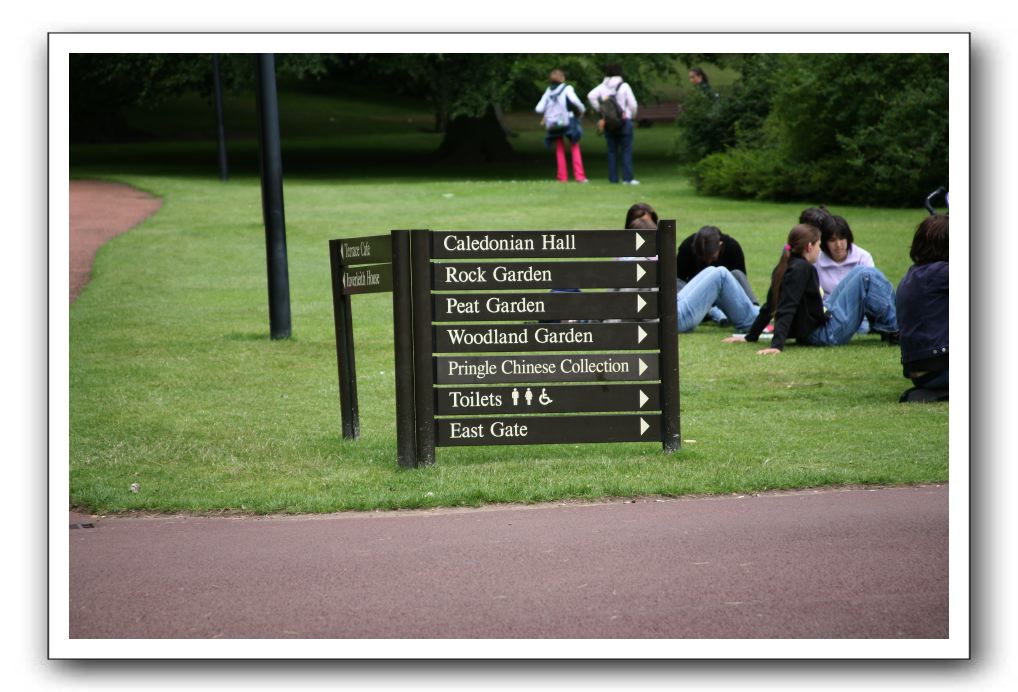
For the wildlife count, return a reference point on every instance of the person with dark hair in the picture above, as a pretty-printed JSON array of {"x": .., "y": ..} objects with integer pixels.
[
  {"x": 838, "y": 253},
  {"x": 795, "y": 302},
  {"x": 557, "y": 105},
  {"x": 814, "y": 216},
  {"x": 640, "y": 210},
  {"x": 614, "y": 100},
  {"x": 922, "y": 304},
  {"x": 709, "y": 247},
  {"x": 698, "y": 78},
  {"x": 712, "y": 288}
]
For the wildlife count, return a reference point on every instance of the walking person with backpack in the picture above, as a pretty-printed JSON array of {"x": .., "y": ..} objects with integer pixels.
[
  {"x": 614, "y": 100},
  {"x": 557, "y": 105}
]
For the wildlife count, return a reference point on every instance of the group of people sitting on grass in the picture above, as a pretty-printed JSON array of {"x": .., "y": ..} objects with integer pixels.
[{"x": 824, "y": 290}]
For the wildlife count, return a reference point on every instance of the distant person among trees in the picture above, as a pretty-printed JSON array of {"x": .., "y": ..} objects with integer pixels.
[
  {"x": 562, "y": 109},
  {"x": 799, "y": 312},
  {"x": 698, "y": 78},
  {"x": 614, "y": 100},
  {"x": 922, "y": 304}
]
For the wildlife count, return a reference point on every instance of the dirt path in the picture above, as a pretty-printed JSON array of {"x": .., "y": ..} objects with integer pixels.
[{"x": 100, "y": 211}]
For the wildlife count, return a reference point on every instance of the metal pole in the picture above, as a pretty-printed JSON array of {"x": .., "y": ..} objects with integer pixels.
[
  {"x": 403, "y": 325},
  {"x": 224, "y": 169},
  {"x": 671, "y": 439},
  {"x": 272, "y": 197}
]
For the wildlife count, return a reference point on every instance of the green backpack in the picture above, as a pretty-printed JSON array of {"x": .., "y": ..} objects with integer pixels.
[{"x": 612, "y": 113}]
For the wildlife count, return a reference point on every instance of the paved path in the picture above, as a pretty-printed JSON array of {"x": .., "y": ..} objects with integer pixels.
[
  {"x": 834, "y": 563},
  {"x": 100, "y": 211},
  {"x": 813, "y": 564}
]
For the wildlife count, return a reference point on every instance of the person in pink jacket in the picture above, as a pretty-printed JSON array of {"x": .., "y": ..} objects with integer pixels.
[{"x": 557, "y": 105}]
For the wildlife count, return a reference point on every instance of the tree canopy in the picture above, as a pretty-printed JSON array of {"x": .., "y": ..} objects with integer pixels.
[
  {"x": 846, "y": 128},
  {"x": 454, "y": 85}
]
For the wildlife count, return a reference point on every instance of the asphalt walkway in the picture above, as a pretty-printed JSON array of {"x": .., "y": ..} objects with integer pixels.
[{"x": 859, "y": 563}]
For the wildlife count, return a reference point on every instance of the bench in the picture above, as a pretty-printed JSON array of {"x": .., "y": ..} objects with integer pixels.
[{"x": 666, "y": 112}]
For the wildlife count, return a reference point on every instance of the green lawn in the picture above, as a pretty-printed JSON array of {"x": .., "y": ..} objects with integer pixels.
[{"x": 175, "y": 385}]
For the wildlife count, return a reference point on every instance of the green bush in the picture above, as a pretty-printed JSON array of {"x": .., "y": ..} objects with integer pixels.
[
  {"x": 839, "y": 128},
  {"x": 711, "y": 125}
]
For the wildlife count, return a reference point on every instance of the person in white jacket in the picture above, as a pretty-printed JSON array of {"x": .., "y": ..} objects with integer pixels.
[
  {"x": 561, "y": 124},
  {"x": 618, "y": 136}
]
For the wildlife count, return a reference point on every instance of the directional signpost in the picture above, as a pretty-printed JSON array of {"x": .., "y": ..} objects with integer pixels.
[
  {"x": 466, "y": 305},
  {"x": 359, "y": 265}
]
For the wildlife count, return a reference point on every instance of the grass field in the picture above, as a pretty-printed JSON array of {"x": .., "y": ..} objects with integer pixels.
[{"x": 175, "y": 385}]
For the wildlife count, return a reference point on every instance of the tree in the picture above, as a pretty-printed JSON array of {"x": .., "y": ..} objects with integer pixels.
[
  {"x": 468, "y": 92},
  {"x": 847, "y": 128},
  {"x": 101, "y": 85}
]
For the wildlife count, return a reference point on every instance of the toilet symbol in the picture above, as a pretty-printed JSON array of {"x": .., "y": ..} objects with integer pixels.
[
  {"x": 529, "y": 396},
  {"x": 544, "y": 398},
  {"x": 516, "y": 397}
]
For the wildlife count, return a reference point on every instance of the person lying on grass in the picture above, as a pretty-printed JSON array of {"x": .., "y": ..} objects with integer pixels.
[{"x": 795, "y": 300}]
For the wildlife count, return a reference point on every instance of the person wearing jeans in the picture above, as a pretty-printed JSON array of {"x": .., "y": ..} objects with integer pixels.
[
  {"x": 620, "y": 149},
  {"x": 923, "y": 304},
  {"x": 714, "y": 286},
  {"x": 864, "y": 291},
  {"x": 620, "y": 143},
  {"x": 795, "y": 299}
]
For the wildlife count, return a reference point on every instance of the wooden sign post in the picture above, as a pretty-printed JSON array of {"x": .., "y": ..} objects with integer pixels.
[{"x": 359, "y": 265}]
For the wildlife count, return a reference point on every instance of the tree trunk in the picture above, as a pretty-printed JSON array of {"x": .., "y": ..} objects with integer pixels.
[{"x": 480, "y": 140}]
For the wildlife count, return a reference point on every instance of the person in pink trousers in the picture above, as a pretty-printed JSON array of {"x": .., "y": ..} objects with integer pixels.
[{"x": 562, "y": 109}]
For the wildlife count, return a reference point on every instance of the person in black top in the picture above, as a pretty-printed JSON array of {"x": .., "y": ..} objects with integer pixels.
[
  {"x": 795, "y": 302},
  {"x": 922, "y": 304},
  {"x": 709, "y": 247}
]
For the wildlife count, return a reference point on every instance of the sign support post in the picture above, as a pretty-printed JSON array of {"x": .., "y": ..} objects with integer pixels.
[
  {"x": 349, "y": 414},
  {"x": 359, "y": 265},
  {"x": 424, "y": 377},
  {"x": 671, "y": 439},
  {"x": 403, "y": 347}
]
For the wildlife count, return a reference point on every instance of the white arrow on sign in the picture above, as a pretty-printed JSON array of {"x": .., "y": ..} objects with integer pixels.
[
  {"x": 643, "y": 426},
  {"x": 640, "y": 335},
  {"x": 643, "y": 366},
  {"x": 640, "y": 303},
  {"x": 640, "y": 273},
  {"x": 643, "y": 399},
  {"x": 639, "y": 241}
]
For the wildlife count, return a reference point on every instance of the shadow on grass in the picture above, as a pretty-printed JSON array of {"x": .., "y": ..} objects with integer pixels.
[
  {"x": 247, "y": 336},
  {"x": 400, "y": 158}
]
